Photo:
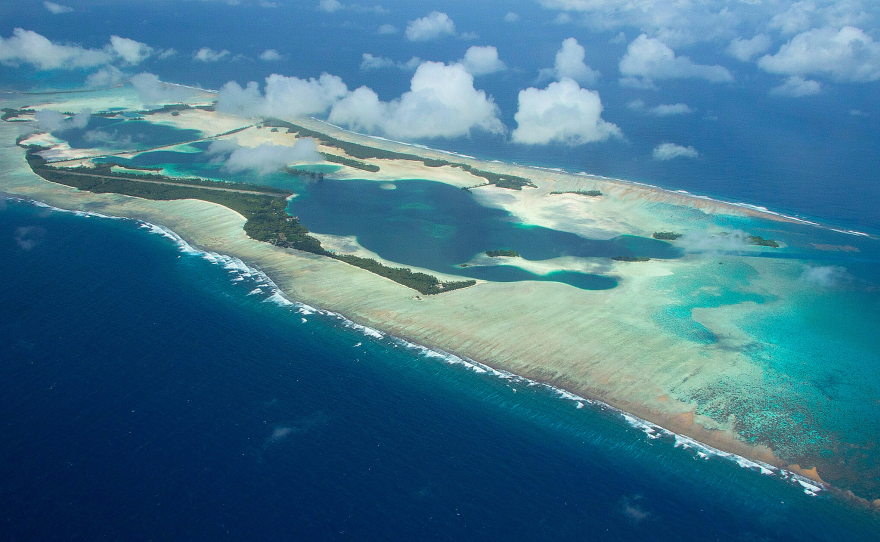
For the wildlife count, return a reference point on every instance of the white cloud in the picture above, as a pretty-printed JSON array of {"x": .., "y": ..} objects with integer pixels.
[
  {"x": 686, "y": 22},
  {"x": 563, "y": 113},
  {"x": 131, "y": 51},
  {"x": 329, "y": 5},
  {"x": 265, "y": 158},
  {"x": 270, "y": 55},
  {"x": 796, "y": 18},
  {"x": 441, "y": 102},
  {"x": 666, "y": 110},
  {"x": 797, "y": 87},
  {"x": 511, "y": 17},
  {"x": 206, "y": 54},
  {"x": 167, "y": 53},
  {"x": 370, "y": 62},
  {"x": 153, "y": 91},
  {"x": 432, "y": 26},
  {"x": 847, "y": 54},
  {"x": 105, "y": 77},
  {"x": 48, "y": 120},
  {"x": 701, "y": 241},
  {"x": 283, "y": 96},
  {"x": 669, "y": 151},
  {"x": 662, "y": 110},
  {"x": 387, "y": 29},
  {"x": 570, "y": 63},
  {"x": 651, "y": 59},
  {"x": 482, "y": 60},
  {"x": 745, "y": 50},
  {"x": 804, "y": 15},
  {"x": 56, "y": 9},
  {"x": 28, "y": 47},
  {"x": 827, "y": 276}
]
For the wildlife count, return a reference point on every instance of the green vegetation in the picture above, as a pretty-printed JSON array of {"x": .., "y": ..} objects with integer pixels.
[
  {"x": 265, "y": 209},
  {"x": 666, "y": 235},
  {"x": 502, "y": 252},
  {"x": 422, "y": 282},
  {"x": 10, "y": 113},
  {"x": 350, "y": 162},
  {"x": 591, "y": 193},
  {"x": 761, "y": 242},
  {"x": 363, "y": 152},
  {"x": 169, "y": 108},
  {"x": 631, "y": 258}
]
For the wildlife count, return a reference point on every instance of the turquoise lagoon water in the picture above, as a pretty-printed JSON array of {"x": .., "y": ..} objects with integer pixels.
[
  {"x": 421, "y": 223},
  {"x": 121, "y": 133},
  {"x": 155, "y": 392}
]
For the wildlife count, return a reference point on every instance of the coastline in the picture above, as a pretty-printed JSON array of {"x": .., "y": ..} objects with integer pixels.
[{"x": 475, "y": 327}]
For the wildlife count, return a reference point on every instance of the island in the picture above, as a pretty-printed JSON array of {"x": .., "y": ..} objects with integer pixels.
[
  {"x": 679, "y": 346},
  {"x": 506, "y": 252}
]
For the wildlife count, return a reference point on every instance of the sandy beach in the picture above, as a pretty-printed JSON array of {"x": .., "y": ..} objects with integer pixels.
[{"x": 607, "y": 345}]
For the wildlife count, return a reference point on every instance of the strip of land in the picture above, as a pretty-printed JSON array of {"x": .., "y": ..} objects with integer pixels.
[{"x": 615, "y": 345}]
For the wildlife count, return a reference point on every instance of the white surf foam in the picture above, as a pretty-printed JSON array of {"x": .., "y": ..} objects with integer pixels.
[{"x": 651, "y": 430}]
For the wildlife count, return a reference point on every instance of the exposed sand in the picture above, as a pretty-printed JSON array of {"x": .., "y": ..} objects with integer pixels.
[{"x": 605, "y": 345}]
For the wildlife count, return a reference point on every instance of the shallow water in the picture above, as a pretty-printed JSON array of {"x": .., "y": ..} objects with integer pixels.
[{"x": 152, "y": 394}]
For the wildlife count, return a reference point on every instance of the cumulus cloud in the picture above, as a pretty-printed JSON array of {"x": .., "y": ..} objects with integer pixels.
[
  {"x": 570, "y": 63},
  {"x": 283, "y": 96},
  {"x": 105, "y": 77},
  {"x": 563, "y": 113},
  {"x": 329, "y": 5},
  {"x": 263, "y": 159},
  {"x": 131, "y": 51},
  {"x": 56, "y": 9},
  {"x": 511, "y": 17},
  {"x": 432, "y": 26},
  {"x": 797, "y": 87},
  {"x": 745, "y": 50},
  {"x": 28, "y": 47},
  {"x": 48, "y": 120},
  {"x": 662, "y": 110},
  {"x": 847, "y": 54},
  {"x": 827, "y": 276},
  {"x": 651, "y": 59},
  {"x": 153, "y": 91},
  {"x": 387, "y": 29},
  {"x": 370, "y": 62},
  {"x": 801, "y": 16},
  {"x": 669, "y": 151},
  {"x": 482, "y": 60},
  {"x": 270, "y": 55},
  {"x": 441, "y": 102},
  {"x": 206, "y": 54}
]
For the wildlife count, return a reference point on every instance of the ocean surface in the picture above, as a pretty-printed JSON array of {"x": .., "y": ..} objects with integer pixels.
[
  {"x": 152, "y": 392},
  {"x": 814, "y": 157},
  {"x": 155, "y": 393}
]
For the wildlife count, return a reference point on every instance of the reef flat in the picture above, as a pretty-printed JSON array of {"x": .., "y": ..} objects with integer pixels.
[{"x": 701, "y": 343}]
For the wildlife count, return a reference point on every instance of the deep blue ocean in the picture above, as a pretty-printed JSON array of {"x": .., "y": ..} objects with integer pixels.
[
  {"x": 145, "y": 395},
  {"x": 150, "y": 394}
]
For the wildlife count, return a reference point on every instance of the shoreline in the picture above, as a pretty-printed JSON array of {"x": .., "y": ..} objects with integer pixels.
[
  {"x": 758, "y": 463},
  {"x": 751, "y": 209},
  {"x": 313, "y": 282}
]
